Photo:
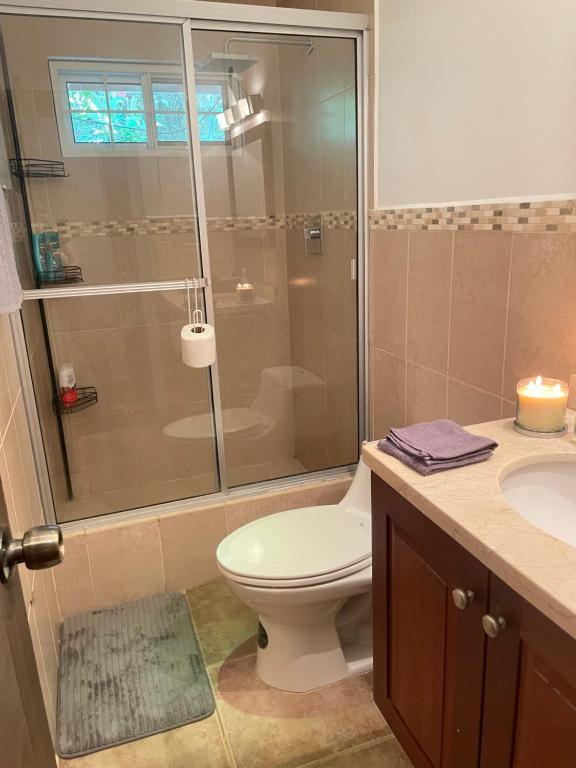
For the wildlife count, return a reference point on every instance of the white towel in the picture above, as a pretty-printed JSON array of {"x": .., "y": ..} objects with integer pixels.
[{"x": 10, "y": 288}]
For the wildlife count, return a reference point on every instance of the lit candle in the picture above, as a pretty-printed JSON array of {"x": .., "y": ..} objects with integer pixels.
[{"x": 541, "y": 404}]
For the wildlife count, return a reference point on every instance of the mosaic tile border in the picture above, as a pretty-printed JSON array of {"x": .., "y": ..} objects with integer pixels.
[
  {"x": 178, "y": 225},
  {"x": 535, "y": 216}
]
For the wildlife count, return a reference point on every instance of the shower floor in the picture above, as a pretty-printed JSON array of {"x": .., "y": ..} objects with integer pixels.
[{"x": 255, "y": 726}]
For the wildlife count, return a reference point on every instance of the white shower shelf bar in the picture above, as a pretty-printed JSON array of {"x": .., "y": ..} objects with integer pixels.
[{"x": 104, "y": 290}]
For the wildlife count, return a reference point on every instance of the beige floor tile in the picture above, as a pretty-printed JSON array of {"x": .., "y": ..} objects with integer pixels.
[
  {"x": 271, "y": 729},
  {"x": 384, "y": 754},
  {"x": 225, "y": 626},
  {"x": 199, "y": 744}
]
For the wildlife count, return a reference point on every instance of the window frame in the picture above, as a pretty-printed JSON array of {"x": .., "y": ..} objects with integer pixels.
[{"x": 65, "y": 70}]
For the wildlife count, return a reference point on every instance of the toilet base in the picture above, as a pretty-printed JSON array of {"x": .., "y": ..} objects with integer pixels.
[{"x": 299, "y": 659}]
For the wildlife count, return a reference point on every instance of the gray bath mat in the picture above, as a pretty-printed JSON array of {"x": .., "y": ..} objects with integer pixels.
[{"x": 129, "y": 672}]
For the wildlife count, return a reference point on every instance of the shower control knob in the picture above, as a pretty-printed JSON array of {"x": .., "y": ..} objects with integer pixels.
[
  {"x": 40, "y": 547},
  {"x": 462, "y": 598}
]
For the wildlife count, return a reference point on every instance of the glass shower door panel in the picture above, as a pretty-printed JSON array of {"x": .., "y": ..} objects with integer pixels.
[
  {"x": 105, "y": 102},
  {"x": 149, "y": 437},
  {"x": 102, "y": 106},
  {"x": 280, "y": 182}
]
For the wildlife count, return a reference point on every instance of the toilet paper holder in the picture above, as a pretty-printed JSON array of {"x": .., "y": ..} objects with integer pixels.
[
  {"x": 195, "y": 318},
  {"x": 197, "y": 339}
]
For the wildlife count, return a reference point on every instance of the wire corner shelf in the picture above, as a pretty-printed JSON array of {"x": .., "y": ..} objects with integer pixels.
[
  {"x": 33, "y": 168},
  {"x": 60, "y": 276},
  {"x": 86, "y": 396}
]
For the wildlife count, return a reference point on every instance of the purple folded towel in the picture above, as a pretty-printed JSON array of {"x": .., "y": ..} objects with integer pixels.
[{"x": 436, "y": 445}]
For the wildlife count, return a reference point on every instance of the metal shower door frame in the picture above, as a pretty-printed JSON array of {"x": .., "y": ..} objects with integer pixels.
[
  {"x": 247, "y": 27},
  {"x": 193, "y": 15}
]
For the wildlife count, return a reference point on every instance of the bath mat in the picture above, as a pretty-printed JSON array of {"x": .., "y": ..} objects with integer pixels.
[{"x": 129, "y": 672}]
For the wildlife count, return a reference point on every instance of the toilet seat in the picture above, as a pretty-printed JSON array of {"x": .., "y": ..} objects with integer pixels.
[
  {"x": 324, "y": 578},
  {"x": 301, "y": 547}
]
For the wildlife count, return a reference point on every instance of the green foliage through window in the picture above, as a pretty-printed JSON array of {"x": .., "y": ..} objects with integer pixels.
[{"x": 149, "y": 111}]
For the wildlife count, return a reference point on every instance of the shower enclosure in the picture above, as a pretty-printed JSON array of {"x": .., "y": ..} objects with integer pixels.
[{"x": 145, "y": 150}]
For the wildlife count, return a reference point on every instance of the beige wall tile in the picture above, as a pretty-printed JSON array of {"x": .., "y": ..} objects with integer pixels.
[
  {"x": 429, "y": 275},
  {"x": 388, "y": 392},
  {"x": 189, "y": 541},
  {"x": 479, "y": 299},
  {"x": 9, "y": 356},
  {"x": 426, "y": 393},
  {"x": 388, "y": 290},
  {"x": 19, "y": 510},
  {"x": 508, "y": 409},
  {"x": 467, "y": 405},
  {"x": 73, "y": 578},
  {"x": 28, "y": 464},
  {"x": 48, "y": 693},
  {"x": 5, "y": 401},
  {"x": 246, "y": 510},
  {"x": 125, "y": 562},
  {"x": 45, "y": 610},
  {"x": 542, "y": 313}
]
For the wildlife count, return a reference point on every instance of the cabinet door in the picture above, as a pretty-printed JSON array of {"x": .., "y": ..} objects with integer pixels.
[
  {"x": 530, "y": 696},
  {"x": 428, "y": 654}
]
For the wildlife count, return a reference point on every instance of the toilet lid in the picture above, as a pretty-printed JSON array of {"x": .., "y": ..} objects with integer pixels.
[{"x": 298, "y": 544}]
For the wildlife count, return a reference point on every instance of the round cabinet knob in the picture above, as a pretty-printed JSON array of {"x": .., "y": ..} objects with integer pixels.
[
  {"x": 493, "y": 626},
  {"x": 462, "y": 598}
]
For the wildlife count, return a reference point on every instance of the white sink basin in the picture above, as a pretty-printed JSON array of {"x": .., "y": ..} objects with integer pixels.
[{"x": 545, "y": 495}]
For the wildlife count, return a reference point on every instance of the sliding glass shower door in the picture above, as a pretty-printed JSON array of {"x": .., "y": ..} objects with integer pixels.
[
  {"x": 278, "y": 143},
  {"x": 148, "y": 153},
  {"x": 102, "y": 121}
]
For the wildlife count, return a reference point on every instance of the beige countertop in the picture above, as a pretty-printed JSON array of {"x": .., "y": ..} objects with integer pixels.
[{"x": 467, "y": 504}]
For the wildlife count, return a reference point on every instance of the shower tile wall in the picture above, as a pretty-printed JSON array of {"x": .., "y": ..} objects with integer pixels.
[
  {"x": 458, "y": 315},
  {"x": 320, "y": 179},
  {"x": 244, "y": 198}
]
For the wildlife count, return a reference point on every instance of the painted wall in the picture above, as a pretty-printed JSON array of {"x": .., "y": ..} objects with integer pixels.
[
  {"x": 476, "y": 100},
  {"x": 476, "y": 103}
]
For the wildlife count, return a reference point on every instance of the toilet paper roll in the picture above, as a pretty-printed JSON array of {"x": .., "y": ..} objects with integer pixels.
[{"x": 198, "y": 349}]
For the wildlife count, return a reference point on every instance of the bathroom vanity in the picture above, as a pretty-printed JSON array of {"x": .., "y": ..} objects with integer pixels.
[{"x": 475, "y": 613}]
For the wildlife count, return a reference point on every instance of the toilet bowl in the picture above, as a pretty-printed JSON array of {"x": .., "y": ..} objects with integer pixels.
[{"x": 307, "y": 573}]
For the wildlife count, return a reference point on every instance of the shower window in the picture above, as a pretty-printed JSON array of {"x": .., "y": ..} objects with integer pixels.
[
  {"x": 125, "y": 108},
  {"x": 210, "y": 104}
]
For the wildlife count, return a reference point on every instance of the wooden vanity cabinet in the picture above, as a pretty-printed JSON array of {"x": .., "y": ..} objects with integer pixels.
[
  {"x": 530, "y": 688},
  {"x": 428, "y": 654},
  {"x": 455, "y": 697}
]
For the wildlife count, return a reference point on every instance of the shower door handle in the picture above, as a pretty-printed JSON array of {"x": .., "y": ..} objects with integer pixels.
[{"x": 39, "y": 548}]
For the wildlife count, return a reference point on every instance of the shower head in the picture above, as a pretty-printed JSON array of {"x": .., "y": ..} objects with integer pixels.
[{"x": 226, "y": 63}]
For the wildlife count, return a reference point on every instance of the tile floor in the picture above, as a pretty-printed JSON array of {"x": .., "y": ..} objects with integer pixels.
[{"x": 255, "y": 726}]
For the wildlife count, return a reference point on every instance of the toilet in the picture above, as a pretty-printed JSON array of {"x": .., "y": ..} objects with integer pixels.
[{"x": 307, "y": 573}]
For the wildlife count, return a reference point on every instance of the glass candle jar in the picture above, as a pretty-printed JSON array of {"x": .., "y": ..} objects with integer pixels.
[{"x": 541, "y": 404}]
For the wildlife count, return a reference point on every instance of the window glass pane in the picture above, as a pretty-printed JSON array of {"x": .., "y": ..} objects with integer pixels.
[
  {"x": 209, "y": 128},
  {"x": 86, "y": 97},
  {"x": 91, "y": 127},
  {"x": 126, "y": 97},
  {"x": 168, "y": 97},
  {"x": 129, "y": 128},
  {"x": 209, "y": 98},
  {"x": 171, "y": 127}
]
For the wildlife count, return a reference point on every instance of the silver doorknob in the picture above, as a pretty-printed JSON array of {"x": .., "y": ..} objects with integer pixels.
[
  {"x": 493, "y": 626},
  {"x": 40, "y": 547},
  {"x": 462, "y": 598}
]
